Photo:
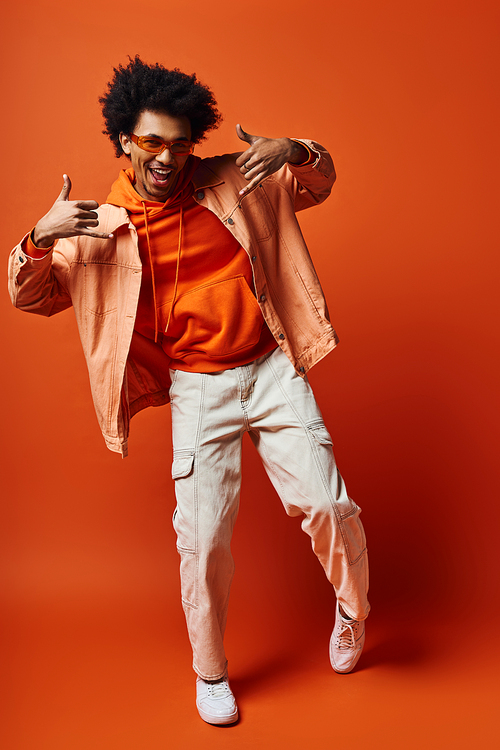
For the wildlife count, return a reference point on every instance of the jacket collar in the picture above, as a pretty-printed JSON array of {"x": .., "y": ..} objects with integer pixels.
[
  {"x": 111, "y": 217},
  {"x": 204, "y": 177}
]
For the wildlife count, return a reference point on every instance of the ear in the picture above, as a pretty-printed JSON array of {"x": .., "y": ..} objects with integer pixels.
[{"x": 125, "y": 143}]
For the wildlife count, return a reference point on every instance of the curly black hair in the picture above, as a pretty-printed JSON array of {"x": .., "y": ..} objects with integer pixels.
[{"x": 139, "y": 87}]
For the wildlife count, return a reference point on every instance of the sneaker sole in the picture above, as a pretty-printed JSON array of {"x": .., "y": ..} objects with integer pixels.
[{"x": 218, "y": 720}]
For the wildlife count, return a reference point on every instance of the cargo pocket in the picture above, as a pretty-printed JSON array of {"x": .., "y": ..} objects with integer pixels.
[
  {"x": 345, "y": 509},
  {"x": 352, "y": 530},
  {"x": 319, "y": 432},
  {"x": 182, "y": 465},
  {"x": 184, "y": 523}
]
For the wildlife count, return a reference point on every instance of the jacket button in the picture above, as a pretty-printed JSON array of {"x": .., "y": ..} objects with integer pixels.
[
  {"x": 200, "y": 195},
  {"x": 262, "y": 297},
  {"x": 254, "y": 257},
  {"x": 230, "y": 221},
  {"x": 301, "y": 369},
  {"x": 281, "y": 336}
]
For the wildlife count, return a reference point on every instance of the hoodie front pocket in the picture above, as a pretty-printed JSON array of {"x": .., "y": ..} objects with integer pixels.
[{"x": 216, "y": 319}]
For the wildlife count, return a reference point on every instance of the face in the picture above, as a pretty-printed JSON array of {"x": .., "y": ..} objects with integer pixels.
[{"x": 156, "y": 174}]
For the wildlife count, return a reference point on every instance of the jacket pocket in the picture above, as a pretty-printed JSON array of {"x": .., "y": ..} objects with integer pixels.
[
  {"x": 100, "y": 338},
  {"x": 259, "y": 214},
  {"x": 100, "y": 284}
]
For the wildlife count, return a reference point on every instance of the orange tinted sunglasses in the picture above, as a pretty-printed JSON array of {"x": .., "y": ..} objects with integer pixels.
[{"x": 157, "y": 145}]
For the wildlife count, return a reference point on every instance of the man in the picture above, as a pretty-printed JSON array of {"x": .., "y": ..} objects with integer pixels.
[{"x": 193, "y": 283}]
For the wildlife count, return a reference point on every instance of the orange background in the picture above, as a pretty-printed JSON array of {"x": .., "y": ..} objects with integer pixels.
[{"x": 95, "y": 650}]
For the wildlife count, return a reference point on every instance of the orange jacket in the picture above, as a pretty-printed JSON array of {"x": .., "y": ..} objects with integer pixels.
[{"x": 101, "y": 279}]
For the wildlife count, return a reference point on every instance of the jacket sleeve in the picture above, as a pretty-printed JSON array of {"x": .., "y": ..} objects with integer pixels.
[
  {"x": 40, "y": 286},
  {"x": 311, "y": 184}
]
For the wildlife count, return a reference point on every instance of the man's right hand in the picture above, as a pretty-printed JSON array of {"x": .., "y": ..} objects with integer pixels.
[{"x": 67, "y": 219}]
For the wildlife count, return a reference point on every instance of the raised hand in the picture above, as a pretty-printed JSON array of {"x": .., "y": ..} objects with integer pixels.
[
  {"x": 265, "y": 156},
  {"x": 67, "y": 219}
]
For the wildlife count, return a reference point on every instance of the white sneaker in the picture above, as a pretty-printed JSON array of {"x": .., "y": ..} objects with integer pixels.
[
  {"x": 215, "y": 702},
  {"x": 346, "y": 643}
]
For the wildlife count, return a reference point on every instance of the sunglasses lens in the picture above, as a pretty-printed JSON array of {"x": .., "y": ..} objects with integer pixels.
[
  {"x": 154, "y": 145},
  {"x": 180, "y": 147}
]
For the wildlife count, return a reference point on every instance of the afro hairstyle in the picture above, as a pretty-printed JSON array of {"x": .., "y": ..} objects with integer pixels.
[{"x": 139, "y": 87}]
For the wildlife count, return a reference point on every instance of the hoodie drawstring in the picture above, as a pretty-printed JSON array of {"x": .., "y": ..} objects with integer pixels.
[
  {"x": 153, "y": 272},
  {"x": 176, "y": 270}
]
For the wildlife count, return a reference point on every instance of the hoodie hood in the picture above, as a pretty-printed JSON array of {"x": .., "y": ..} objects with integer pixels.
[{"x": 124, "y": 194}]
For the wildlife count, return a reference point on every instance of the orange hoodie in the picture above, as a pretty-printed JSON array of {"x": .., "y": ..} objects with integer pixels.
[{"x": 196, "y": 277}]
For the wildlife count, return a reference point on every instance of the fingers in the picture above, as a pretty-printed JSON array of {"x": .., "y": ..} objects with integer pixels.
[
  {"x": 253, "y": 169},
  {"x": 249, "y": 172},
  {"x": 69, "y": 218},
  {"x": 87, "y": 219},
  {"x": 86, "y": 205},
  {"x": 253, "y": 183},
  {"x": 82, "y": 223},
  {"x": 90, "y": 233},
  {"x": 243, "y": 159},
  {"x": 248, "y": 162},
  {"x": 243, "y": 136},
  {"x": 88, "y": 215},
  {"x": 66, "y": 188},
  {"x": 84, "y": 219},
  {"x": 64, "y": 196},
  {"x": 244, "y": 163}
]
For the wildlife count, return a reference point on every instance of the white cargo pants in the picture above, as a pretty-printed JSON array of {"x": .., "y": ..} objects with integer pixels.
[{"x": 210, "y": 413}]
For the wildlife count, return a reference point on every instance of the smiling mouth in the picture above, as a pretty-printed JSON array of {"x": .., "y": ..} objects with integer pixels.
[{"x": 160, "y": 176}]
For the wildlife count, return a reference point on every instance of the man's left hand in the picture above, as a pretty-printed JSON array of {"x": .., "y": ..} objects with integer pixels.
[{"x": 265, "y": 156}]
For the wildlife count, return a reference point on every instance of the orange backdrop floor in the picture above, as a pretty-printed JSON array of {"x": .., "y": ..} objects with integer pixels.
[{"x": 118, "y": 680}]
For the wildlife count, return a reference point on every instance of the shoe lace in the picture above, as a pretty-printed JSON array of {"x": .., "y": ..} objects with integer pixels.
[
  {"x": 218, "y": 689},
  {"x": 346, "y": 637}
]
